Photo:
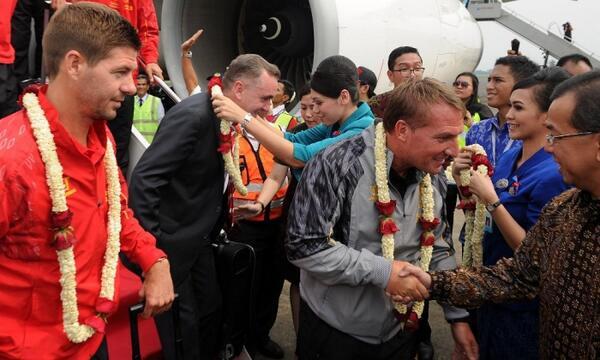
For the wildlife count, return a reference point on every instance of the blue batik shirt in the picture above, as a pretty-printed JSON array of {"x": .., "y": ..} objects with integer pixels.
[{"x": 491, "y": 137}]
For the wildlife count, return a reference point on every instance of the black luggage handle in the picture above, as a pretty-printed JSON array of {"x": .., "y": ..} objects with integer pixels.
[{"x": 137, "y": 309}]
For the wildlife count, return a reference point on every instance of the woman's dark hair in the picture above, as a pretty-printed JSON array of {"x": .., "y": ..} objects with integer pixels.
[
  {"x": 304, "y": 90},
  {"x": 543, "y": 84},
  {"x": 335, "y": 74}
]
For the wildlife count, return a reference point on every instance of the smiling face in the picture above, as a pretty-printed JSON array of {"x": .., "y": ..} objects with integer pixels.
[
  {"x": 525, "y": 119},
  {"x": 329, "y": 110},
  {"x": 114, "y": 73},
  {"x": 499, "y": 87},
  {"x": 427, "y": 147}
]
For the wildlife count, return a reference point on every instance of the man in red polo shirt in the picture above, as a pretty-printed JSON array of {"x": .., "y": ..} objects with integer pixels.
[{"x": 63, "y": 202}]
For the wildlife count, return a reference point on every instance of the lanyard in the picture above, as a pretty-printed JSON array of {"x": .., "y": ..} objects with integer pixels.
[{"x": 494, "y": 136}]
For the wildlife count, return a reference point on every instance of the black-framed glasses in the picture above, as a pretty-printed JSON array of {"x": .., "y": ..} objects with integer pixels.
[
  {"x": 408, "y": 71},
  {"x": 551, "y": 139},
  {"x": 461, "y": 84}
]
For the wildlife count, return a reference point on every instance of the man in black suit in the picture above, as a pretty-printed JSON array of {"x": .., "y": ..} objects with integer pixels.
[{"x": 177, "y": 193}]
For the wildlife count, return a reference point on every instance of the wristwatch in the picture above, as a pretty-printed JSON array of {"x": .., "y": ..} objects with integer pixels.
[
  {"x": 247, "y": 119},
  {"x": 491, "y": 207},
  {"x": 188, "y": 54}
]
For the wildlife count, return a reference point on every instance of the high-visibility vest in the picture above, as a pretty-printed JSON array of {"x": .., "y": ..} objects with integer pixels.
[
  {"x": 145, "y": 117},
  {"x": 462, "y": 138},
  {"x": 255, "y": 167},
  {"x": 283, "y": 120}
]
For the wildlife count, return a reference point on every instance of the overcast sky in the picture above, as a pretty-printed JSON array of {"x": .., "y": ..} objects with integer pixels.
[{"x": 584, "y": 16}]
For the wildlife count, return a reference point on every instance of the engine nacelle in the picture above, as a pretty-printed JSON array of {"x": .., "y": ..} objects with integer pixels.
[{"x": 297, "y": 34}]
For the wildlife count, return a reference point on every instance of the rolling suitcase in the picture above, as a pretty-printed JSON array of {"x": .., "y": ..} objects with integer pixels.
[{"x": 235, "y": 273}]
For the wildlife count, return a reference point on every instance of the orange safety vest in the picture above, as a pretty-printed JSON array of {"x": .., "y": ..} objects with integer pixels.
[{"x": 255, "y": 167}]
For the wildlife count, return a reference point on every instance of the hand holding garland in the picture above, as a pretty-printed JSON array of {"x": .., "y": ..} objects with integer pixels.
[{"x": 283, "y": 149}]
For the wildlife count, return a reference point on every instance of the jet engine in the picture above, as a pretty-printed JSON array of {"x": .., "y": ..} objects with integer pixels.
[{"x": 297, "y": 34}]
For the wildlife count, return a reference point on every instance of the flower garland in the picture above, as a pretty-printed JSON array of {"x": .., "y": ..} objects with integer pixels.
[
  {"x": 229, "y": 143},
  {"x": 474, "y": 208},
  {"x": 64, "y": 238},
  {"x": 387, "y": 226}
]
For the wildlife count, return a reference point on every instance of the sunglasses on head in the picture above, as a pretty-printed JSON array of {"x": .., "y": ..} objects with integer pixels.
[{"x": 461, "y": 84}]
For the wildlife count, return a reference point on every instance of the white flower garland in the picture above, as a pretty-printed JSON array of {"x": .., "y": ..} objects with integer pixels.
[
  {"x": 474, "y": 219},
  {"x": 427, "y": 212},
  {"x": 232, "y": 162},
  {"x": 75, "y": 331}
]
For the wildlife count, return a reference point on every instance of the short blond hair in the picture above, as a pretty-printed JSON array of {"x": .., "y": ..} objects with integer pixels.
[
  {"x": 89, "y": 28},
  {"x": 412, "y": 100}
]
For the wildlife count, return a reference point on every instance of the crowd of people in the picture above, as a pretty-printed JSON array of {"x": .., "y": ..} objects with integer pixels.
[{"x": 349, "y": 200}]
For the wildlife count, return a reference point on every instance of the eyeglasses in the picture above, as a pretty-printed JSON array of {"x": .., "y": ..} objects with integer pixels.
[
  {"x": 550, "y": 139},
  {"x": 461, "y": 84},
  {"x": 408, "y": 71}
]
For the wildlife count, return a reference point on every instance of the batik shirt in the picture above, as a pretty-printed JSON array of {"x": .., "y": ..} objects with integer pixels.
[{"x": 559, "y": 261}]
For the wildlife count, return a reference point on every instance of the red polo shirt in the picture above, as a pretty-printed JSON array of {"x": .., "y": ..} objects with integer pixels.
[
  {"x": 142, "y": 15},
  {"x": 7, "y": 53},
  {"x": 31, "y": 325}
]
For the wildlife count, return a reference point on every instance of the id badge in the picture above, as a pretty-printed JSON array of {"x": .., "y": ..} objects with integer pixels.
[{"x": 488, "y": 228}]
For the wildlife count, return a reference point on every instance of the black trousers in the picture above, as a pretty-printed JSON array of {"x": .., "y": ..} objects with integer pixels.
[
  {"x": 318, "y": 340},
  {"x": 264, "y": 237},
  {"x": 25, "y": 11},
  {"x": 8, "y": 90},
  {"x": 120, "y": 127},
  {"x": 102, "y": 353},
  {"x": 200, "y": 324}
]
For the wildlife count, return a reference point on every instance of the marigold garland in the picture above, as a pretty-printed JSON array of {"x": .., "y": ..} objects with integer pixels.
[
  {"x": 64, "y": 238},
  {"x": 229, "y": 143},
  {"x": 474, "y": 208},
  {"x": 387, "y": 226}
]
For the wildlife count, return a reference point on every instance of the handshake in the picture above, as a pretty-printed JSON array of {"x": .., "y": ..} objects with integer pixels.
[{"x": 408, "y": 283}]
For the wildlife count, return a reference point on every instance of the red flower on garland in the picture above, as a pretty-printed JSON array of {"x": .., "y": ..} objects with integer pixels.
[
  {"x": 466, "y": 205},
  {"x": 429, "y": 225},
  {"x": 480, "y": 159},
  {"x": 63, "y": 238},
  {"x": 225, "y": 143},
  {"x": 412, "y": 323},
  {"x": 465, "y": 191},
  {"x": 427, "y": 239},
  {"x": 387, "y": 226},
  {"x": 61, "y": 220},
  {"x": 215, "y": 80},
  {"x": 386, "y": 208}
]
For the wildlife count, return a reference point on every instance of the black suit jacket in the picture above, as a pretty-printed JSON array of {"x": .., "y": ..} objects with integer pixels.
[{"x": 176, "y": 189}]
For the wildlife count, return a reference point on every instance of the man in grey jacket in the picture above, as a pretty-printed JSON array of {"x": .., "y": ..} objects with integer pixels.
[{"x": 335, "y": 239}]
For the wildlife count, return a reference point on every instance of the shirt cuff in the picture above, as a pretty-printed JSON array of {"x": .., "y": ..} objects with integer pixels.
[
  {"x": 149, "y": 258},
  {"x": 440, "y": 287}
]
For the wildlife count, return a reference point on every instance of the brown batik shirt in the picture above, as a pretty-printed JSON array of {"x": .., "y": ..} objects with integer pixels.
[{"x": 559, "y": 261}]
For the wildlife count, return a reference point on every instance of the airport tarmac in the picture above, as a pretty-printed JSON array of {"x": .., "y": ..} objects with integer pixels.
[{"x": 283, "y": 330}]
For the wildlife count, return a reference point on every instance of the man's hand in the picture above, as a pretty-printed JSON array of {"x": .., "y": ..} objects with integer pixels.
[
  {"x": 416, "y": 272},
  {"x": 157, "y": 289},
  {"x": 153, "y": 70},
  {"x": 404, "y": 287},
  {"x": 465, "y": 344},
  {"x": 461, "y": 162},
  {"x": 226, "y": 109},
  {"x": 246, "y": 211},
  {"x": 187, "y": 45}
]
